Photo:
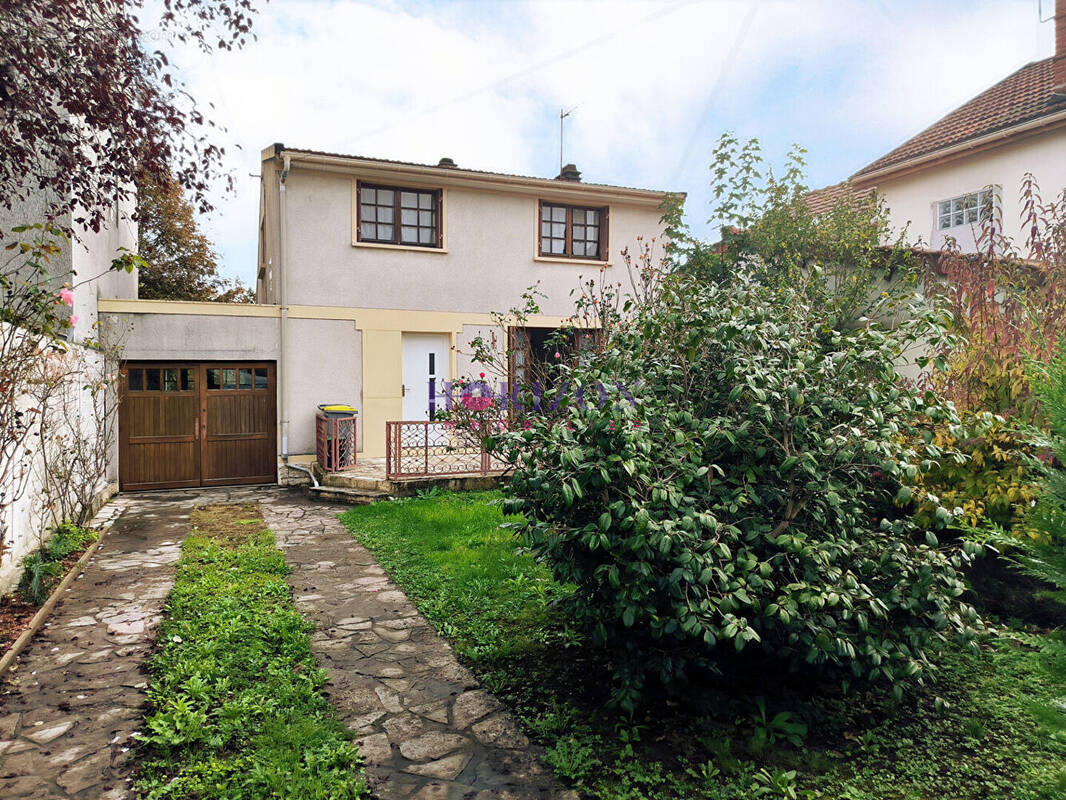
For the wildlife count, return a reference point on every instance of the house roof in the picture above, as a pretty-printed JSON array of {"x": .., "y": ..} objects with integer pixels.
[
  {"x": 456, "y": 172},
  {"x": 821, "y": 200},
  {"x": 1024, "y": 96}
]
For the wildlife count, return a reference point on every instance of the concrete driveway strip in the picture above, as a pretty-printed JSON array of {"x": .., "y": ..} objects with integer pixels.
[
  {"x": 428, "y": 731},
  {"x": 69, "y": 706}
]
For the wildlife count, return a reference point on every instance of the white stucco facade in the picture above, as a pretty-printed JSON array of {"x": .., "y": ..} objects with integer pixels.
[{"x": 912, "y": 197}]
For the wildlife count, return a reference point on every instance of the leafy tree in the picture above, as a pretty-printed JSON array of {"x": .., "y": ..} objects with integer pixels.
[
  {"x": 88, "y": 110},
  {"x": 770, "y": 229},
  {"x": 744, "y": 501},
  {"x": 181, "y": 263}
]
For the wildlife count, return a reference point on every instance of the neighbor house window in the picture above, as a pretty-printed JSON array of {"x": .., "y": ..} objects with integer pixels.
[
  {"x": 967, "y": 209},
  {"x": 573, "y": 231},
  {"x": 394, "y": 215}
]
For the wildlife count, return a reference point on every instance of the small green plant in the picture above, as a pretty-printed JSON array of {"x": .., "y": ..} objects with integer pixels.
[
  {"x": 430, "y": 493},
  {"x": 573, "y": 758},
  {"x": 780, "y": 727},
  {"x": 39, "y": 575},
  {"x": 68, "y": 539},
  {"x": 973, "y": 729},
  {"x": 41, "y": 571},
  {"x": 778, "y": 783}
]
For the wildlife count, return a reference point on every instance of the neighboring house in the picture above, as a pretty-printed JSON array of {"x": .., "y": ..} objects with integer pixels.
[
  {"x": 373, "y": 275},
  {"x": 85, "y": 265},
  {"x": 936, "y": 183}
]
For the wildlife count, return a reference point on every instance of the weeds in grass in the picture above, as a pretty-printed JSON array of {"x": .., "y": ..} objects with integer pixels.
[{"x": 236, "y": 709}]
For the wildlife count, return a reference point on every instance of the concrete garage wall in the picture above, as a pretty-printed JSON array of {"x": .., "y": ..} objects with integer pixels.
[
  {"x": 197, "y": 337},
  {"x": 323, "y": 356}
]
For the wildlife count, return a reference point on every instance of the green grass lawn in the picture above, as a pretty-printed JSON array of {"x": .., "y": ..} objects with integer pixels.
[
  {"x": 235, "y": 696},
  {"x": 989, "y": 725}
]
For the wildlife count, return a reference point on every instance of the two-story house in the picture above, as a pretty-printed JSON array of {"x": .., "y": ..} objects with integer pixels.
[
  {"x": 937, "y": 183},
  {"x": 373, "y": 275}
]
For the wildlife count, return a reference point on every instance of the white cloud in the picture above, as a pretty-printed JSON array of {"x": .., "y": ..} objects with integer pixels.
[{"x": 483, "y": 82}]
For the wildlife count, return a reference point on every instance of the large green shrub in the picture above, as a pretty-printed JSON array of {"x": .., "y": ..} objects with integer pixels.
[{"x": 740, "y": 502}]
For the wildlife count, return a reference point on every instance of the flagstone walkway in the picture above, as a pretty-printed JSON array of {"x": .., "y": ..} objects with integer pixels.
[
  {"x": 71, "y": 702},
  {"x": 428, "y": 731},
  {"x": 74, "y": 698}
]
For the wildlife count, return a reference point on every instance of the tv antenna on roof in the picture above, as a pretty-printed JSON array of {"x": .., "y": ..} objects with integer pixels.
[{"x": 563, "y": 114}]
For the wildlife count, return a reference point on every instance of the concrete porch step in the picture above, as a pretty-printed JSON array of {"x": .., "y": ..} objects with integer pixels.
[{"x": 340, "y": 494}]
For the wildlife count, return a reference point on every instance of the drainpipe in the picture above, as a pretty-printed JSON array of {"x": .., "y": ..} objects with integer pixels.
[{"x": 283, "y": 276}]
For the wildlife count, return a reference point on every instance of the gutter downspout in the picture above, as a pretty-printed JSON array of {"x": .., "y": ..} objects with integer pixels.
[{"x": 283, "y": 274}]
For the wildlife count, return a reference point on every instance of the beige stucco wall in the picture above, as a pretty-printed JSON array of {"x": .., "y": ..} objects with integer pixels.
[
  {"x": 490, "y": 258},
  {"x": 324, "y": 358},
  {"x": 911, "y": 198}
]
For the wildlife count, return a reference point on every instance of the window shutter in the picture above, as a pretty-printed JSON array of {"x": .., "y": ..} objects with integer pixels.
[
  {"x": 358, "y": 213},
  {"x": 605, "y": 231},
  {"x": 440, "y": 218}
]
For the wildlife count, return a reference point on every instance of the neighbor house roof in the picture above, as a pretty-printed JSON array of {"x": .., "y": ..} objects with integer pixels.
[
  {"x": 821, "y": 200},
  {"x": 1026, "y": 96}
]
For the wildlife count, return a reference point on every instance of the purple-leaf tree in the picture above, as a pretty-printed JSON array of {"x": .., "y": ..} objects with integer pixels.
[{"x": 89, "y": 106}]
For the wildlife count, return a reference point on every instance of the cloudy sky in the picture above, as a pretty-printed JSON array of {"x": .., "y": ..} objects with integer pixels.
[{"x": 652, "y": 84}]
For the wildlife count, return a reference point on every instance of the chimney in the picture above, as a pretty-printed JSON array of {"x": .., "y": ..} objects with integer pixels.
[
  {"x": 448, "y": 163},
  {"x": 571, "y": 173},
  {"x": 1059, "y": 79}
]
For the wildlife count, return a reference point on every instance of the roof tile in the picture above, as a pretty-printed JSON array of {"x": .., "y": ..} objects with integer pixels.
[{"x": 1024, "y": 96}]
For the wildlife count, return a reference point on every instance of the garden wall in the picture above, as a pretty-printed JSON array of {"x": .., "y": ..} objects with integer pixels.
[{"x": 27, "y": 523}]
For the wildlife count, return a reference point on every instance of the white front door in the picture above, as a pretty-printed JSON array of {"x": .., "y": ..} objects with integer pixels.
[{"x": 425, "y": 356}]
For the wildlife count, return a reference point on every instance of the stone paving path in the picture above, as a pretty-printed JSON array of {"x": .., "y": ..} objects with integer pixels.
[
  {"x": 425, "y": 727},
  {"x": 71, "y": 702}
]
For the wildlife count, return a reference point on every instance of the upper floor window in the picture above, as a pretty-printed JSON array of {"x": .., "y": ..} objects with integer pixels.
[
  {"x": 394, "y": 215},
  {"x": 573, "y": 231},
  {"x": 967, "y": 209}
]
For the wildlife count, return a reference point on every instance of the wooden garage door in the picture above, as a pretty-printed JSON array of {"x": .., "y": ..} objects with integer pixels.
[{"x": 189, "y": 424}]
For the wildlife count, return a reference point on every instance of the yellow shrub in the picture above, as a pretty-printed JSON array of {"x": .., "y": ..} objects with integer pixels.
[{"x": 992, "y": 482}]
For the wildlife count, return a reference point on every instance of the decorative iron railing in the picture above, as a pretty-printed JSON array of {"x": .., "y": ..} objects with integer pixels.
[{"x": 423, "y": 448}]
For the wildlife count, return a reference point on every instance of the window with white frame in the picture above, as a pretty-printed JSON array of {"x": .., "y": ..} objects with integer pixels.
[{"x": 966, "y": 209}]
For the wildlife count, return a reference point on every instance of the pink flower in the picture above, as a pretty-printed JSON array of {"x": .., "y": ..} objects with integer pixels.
[
  {"x": 557, "y": 355},
  {"x": 66, "y": 296},
  {"x": 476, "y": 403},
  {"x": 73, "y": 319}
]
